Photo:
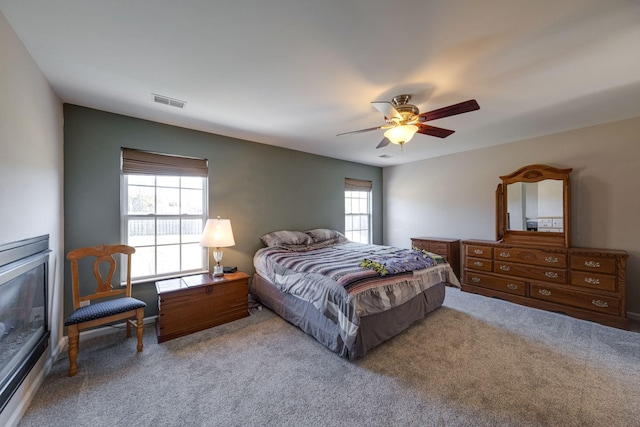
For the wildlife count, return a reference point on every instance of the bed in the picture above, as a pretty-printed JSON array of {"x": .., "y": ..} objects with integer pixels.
[{"x": 349, "y": 296}]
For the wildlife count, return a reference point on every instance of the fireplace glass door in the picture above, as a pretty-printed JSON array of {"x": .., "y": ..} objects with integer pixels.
[{"x": 23, "y": 314}]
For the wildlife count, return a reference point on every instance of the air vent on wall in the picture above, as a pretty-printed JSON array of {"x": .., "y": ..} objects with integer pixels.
[{"x": 161, "y": 99}]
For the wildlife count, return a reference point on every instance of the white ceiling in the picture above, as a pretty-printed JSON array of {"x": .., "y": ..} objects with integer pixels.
[{"x": 294, "y": 73}]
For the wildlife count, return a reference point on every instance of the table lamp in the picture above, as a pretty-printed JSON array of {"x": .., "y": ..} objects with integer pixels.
[{"x": 217, "y": 234}]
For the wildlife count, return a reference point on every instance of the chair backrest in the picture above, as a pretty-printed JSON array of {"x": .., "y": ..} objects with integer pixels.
[{"x": 102, "y": 254}]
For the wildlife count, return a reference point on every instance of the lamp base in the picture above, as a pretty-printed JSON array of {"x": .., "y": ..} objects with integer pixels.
[{"x": 218, "y": 270}]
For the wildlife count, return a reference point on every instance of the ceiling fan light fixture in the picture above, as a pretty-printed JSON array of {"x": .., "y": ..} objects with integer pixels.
[{"x": 401, "y": 134}]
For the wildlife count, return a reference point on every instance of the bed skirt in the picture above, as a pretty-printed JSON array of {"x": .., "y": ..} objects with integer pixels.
[{"x": 374, "y": 329}]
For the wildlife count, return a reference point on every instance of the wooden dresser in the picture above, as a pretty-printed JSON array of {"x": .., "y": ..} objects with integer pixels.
[
  {"x": 448, "y": 248},
  {"x": 193, "y": 303},
  {"x": 581, "y": 282}
]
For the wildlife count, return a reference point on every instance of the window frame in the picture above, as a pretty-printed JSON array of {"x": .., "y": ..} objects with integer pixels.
[
  {"x": 162, "y": 167},
  {"x": 358, "y": 186}
]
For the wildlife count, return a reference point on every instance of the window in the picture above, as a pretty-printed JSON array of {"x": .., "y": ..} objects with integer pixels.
[
  {"x": 164, "y": 211},
  {"x": 357, "y": 210}
]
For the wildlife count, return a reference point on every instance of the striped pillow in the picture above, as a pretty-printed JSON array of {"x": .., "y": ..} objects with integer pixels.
[
  {"x": 284, "y": 237},
  {"x": 323, "y": 234}
]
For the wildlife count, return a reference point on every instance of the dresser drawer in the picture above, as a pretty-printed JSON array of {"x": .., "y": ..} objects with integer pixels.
[
  {"x": 435, "y": 247},
  {"x": 479, "y": 264},
  {"x": 531, "y": 272},
  {"x": 517, "y": 287},
  {"x": 578, "y": 299},
  {"x": 593, "y": 280},
  {"x": 593, "y": 263},
  {"x": 478, "y": 251},
  {"x": 531, "y": 256},
  {"x": 440, "y": 249}
]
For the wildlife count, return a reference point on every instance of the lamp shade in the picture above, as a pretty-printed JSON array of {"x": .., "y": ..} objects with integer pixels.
[
  {"x": 401, "y": 134},
  {"x": 217, "y": 233}
]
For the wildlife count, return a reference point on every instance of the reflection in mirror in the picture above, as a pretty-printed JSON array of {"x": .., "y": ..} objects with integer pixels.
[{"x": 535, "y": 206}]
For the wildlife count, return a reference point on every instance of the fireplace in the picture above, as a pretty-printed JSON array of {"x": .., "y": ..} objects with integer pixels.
[{"x": 24, "y": 331}]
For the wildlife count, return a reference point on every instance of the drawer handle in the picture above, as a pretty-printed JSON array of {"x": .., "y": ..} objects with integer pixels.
[
  {"x": 512, "y": 286},
  {"x": 505, "y": 254},
  {"x": 544, "y": 292},
  {"x": 551, "y": 259},
  {"x": 505, "y": 268},
  {"x": 592, "y": 264},
  {"x": 478, "y": 264},
  {"x": 598, "y": 303},
  {"x": 551, "y": 274},
  {"x": 475, "y": 279},
  {"x": 209, "y": 290},
  {"x": 478, "y": 251},
  {"x": 592, "y": 281}
]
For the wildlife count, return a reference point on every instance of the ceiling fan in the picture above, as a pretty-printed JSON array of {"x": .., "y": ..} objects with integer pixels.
[{"x": 404, "y": 120}]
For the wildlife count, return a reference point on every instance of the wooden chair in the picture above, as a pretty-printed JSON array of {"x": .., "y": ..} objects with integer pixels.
[{"x": 105, "y": 310}]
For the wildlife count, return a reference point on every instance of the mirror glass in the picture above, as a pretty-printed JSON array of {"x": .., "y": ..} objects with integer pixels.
[{"x": 535, "y": 206}]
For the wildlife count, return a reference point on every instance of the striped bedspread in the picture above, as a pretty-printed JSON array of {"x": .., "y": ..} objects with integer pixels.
[
  {"x": 348, "y": 263},
  {"x": 335, "y": 281}
]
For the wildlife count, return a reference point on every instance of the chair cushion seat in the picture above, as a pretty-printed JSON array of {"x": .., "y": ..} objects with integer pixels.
[{"x": 103, "y": 309}]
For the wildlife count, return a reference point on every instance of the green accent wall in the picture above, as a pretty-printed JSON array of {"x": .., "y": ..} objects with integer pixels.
[{"x": 260, "y": 188}]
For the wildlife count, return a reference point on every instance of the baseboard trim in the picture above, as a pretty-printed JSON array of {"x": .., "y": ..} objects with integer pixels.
[{"x": 633, "y": 316}]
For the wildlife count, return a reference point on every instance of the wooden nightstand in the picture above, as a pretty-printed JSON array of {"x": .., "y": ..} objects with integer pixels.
[
  {"x": 448, "y": 248},
  {"x": 193, "y": 303}
]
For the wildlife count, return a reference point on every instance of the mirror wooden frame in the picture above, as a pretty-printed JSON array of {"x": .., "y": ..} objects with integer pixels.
[{"x": 534, "y": 173}]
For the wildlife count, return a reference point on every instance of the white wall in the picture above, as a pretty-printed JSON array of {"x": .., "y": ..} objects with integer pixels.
[
  {"x": 31, "y": 175},
  {"x": 454, "y": 196}
]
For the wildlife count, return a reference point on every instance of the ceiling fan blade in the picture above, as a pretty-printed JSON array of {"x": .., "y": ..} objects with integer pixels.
[
  {"x": 385, "y": 141},
  {"x": 361, "y": 130},
  {"x": 451, "y": 110},
  {"x": 434, "y": 131},
  {"x": 387, "y": 109}
]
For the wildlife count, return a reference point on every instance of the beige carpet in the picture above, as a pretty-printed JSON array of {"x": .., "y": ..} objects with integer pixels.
[{"x": 474, "y": 362}]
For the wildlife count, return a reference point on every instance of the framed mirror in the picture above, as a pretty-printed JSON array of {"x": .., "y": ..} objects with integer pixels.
[{"x": 533, "y": 206}]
